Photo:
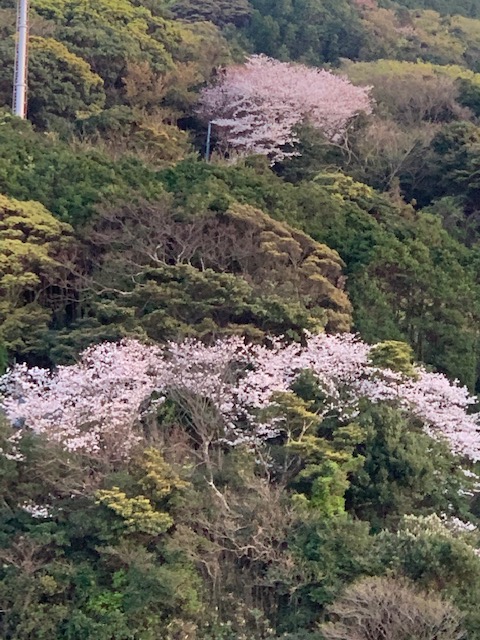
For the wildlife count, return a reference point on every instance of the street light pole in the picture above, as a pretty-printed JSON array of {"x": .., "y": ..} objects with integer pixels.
[
  {"x": 21, "y": 61},
  {"x": 209, "y": 140}
]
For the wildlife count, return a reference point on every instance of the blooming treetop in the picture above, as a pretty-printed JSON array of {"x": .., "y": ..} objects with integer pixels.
[
  {"x": 257, "y": 106},
  {"x": 97, "y": 404},
  {"x": 86, "y": 404}
]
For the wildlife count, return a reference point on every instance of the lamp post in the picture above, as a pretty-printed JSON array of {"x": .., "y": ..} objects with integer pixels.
[{"x": 21, "y": 61}]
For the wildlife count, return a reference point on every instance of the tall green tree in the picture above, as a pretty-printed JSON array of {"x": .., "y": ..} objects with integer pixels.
[{"x": 35, "y": 269}]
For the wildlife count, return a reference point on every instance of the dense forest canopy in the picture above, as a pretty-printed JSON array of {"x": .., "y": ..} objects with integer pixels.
[
  {"x": 239, "y": 321},
  {"x": 469, "y": 8}
]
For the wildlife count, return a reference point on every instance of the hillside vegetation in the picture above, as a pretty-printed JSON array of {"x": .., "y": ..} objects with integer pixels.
[{"x": 239, "y": 321}]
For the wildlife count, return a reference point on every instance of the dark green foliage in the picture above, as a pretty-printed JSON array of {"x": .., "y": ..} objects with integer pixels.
[
  {"x": 156, "y": 272},
  {"x": 436, "y": 272},
  {"x": 179, "y": 301},
  {"x": 332, "y": 552},
  {"x": 61, "y": 85},
  {"x": 109, "y": 35},
  {"x": 220, "y": 12},
  {"x": 3, "y": 358},
  {"x": 470, "y": 8},
  {"x": 67, "y": 182},
  {"x": 403, "y": 472},
  {"x": 453, "y": 168},
  {"x": 311, "y": 31}
]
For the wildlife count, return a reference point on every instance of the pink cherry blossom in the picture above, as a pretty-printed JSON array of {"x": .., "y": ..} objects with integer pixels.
[
  {"x": 97, "y": 404},
  {"x": 256, "y": 107}
]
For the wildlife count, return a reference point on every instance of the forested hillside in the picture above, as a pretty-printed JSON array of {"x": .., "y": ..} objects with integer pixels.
[{"x": 239, "y": 321}]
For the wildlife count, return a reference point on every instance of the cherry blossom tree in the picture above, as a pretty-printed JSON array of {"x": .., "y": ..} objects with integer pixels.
[
  {"x": 257, "y": 106},
  {"x": 91, "y": 406},
  {"x": 98, "y": 404}
]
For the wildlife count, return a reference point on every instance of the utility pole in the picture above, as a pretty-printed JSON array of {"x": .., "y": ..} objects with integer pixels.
[
  {"x": 209, "y": 140},
  {"x": 21, "y": 61}
]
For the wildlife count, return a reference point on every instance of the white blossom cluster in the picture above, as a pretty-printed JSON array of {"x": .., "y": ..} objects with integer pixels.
[
  {"x": 459, "y": 526},
  {"x": 37, "y": 510},
  {"x": 96, "y": 404},
  {"x": 86, "y": 405},
  {"x": 257, "y": 106},
  {"x": 444, "y": 526}
]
